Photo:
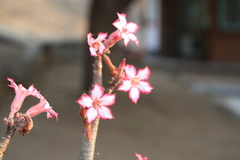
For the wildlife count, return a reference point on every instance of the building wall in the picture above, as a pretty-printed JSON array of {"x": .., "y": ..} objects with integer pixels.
[
  {"x": 224, "y": 46},
  {"x": 218, "y": 40}
]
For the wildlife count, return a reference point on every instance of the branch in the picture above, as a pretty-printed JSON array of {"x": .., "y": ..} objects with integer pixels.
[
  {"x": 5, "y": 141},
  {"x": 88, "y": 145}
]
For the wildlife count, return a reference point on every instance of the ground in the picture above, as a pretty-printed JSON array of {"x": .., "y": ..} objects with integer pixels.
[{"x": 171, "y": 123}]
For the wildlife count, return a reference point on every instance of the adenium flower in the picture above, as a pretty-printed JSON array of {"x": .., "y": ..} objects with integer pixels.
[
  {"x": 23, "y": 121},
  {"x": 127, "y": 30},
  {"x": 140, "y": 157},
  {"x": 96, "y": 46},
  {"x": 136, "y": 82},
  {"x": 42, "y": 106},
  {"x": 111, "y": 40},
  {"x": 21, "y": 94},
  {"x": 97, "y": 103}
]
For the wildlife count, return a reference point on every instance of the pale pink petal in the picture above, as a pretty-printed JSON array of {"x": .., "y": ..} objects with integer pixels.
[
  {"x": 17, "y": 102},
  {"x": 105, "y": 113},
  {"x": 13, "y": 84},
  {"x": 132, "y": 27},
  {"x": 93, "y": 51},
  {"x": 51, "y": 114},
  {"x": 145, "y": 87},
  {"x": 112, "y": 39},
  {"x": 118, "y": 25},
  {"x": 122, "y": 18},
  {"x": 38, "y": 108},
  {"x": 144, "y": 73},
  {"x": 101, "y": 48},
  {"x": 126, "y": 39},
  {"x": 125, "y": 86},
  {"x": 91, "y": 114},
  {"x": 33, "y": 89},
  {"x": 133, "y": 38},
  {"x": 85, "y": 101},
  {"x": 21, "y": 94},
  {"x": 34, "y": 92},
  {"x": 97, "y": 91},
  {"x": 90, "y": 39},
  {"x": 108, "y": 99},
  {"x": 134, "y": 94},
  {"x": 101, "y": 36},
  {"x": 139, "y": 156},
  {"x": 130, "y": 71}
]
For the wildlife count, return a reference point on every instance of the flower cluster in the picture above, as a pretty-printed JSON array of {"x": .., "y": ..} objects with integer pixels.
[
  {"x": 135, "y": 82},
  {"x": 124, "y": 31},
  {"x": 21, "y": 94},
  {"x": 132, "y": 81}
]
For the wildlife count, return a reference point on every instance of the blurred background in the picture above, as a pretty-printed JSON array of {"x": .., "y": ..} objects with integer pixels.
[{"x": 191, "y": 46}]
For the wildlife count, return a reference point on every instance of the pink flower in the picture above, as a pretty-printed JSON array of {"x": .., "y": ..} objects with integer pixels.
[
  {"x": 96, "y": 46},
  {"x": 21, "y": 94},
  {"x": 140, "y": 157},
  {"x": 97, "y": 103},
  {"x": 127, "y": 30},
  {"x": 42, "y": 106},
  {"x": 136, "y": 82},
  {"x": 111, "y": 40}
]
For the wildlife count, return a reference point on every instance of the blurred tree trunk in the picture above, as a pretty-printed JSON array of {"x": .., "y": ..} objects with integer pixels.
[{"x": 102, "y": 15}]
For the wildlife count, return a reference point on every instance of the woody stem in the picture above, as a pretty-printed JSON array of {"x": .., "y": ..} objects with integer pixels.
[
  {"x": 5, "y": 140},
  {"x": 88, "y": 145}
]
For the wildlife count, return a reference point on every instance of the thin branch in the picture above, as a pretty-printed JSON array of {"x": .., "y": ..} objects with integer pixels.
[{"x": 5, "y": 141}]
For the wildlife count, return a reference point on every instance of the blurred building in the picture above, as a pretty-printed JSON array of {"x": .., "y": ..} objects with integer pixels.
[
  {"x": 206, "y": 30},
  {"x": 33, "y": 32}
]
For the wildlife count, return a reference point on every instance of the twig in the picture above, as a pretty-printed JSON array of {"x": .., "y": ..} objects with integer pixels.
[{"x": 5, "y": 141}]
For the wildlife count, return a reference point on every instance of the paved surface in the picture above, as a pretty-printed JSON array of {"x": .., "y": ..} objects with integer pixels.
[{"x": 171, "y": 123}]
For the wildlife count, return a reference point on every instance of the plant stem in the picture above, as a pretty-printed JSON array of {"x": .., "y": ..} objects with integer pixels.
[
  {"x": 5, "y": 141},
  {"x": 88, "y": 146}
]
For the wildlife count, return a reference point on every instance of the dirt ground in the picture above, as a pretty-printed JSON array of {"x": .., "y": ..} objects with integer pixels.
[{"x": 171, "y": 123}]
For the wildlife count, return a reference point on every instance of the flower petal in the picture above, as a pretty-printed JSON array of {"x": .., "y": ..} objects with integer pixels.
[
  {"x": 101, "y": 36},
  {"x": 134, "y": 94},
  {"x": 126, "y": 39},
  {"x": 93, "y": 51},
  {"x": 130, "y": 71},
  {"x": 133, "y": 38},
  {"x": 108, "y": 99},
  {"x": 97, "y": 91},
  {"x": 122, "y": 18},
  {"x": 118, "y": 25},
  {"x": 101, "y": 48},
  {"x": 91, "y": 114},
  {"x": 144, "y": 73},
  {"x": 90, "y": 39},
  {"x": 145, "y": 87},
  {"x": 42, "y": 106},
  {"x": 125, "y": 86},
  {"x": 132, "y": 27},
  {"x": 105, "y": 113},
  {"x": 85, "y": 101},
  {"x": 51, "y": 113},
  {"x": 139, "y": 156}
]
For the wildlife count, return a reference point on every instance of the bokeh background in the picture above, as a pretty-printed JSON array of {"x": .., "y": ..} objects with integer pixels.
[{"x": 191, "y": 46}]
